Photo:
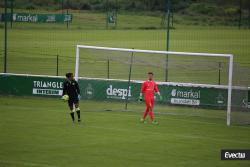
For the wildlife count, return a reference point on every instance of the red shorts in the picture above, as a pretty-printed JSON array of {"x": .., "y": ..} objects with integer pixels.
[{"x": 149, "y": 100}]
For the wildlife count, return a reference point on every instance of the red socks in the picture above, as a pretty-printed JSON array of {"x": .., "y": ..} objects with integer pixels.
[
  {"x": 151, "y": 115},
  {"x": 146, "y": 112}
]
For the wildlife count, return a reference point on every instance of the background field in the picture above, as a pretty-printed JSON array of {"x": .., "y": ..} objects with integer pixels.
[
  {"x": 41, "y": 48},
  {"x": 39, "y": 132},
  {"x": 41, "y": 43}
]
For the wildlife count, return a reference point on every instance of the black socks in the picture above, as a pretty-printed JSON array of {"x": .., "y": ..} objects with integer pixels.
[
  {"x": 72, "y": 114},
  {"x": 78, "y": 114}
]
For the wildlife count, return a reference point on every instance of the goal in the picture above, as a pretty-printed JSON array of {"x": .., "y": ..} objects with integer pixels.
[{"x": 196, "y": 80}]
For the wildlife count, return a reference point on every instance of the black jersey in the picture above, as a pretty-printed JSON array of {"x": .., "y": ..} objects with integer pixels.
[{"x": 71, "y": 88}]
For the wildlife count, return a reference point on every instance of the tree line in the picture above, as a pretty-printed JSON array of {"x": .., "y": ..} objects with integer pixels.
[{"x": 137, "y": 5}]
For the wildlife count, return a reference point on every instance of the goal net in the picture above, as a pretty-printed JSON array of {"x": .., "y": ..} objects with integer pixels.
[{"x": 192, "y": 84}]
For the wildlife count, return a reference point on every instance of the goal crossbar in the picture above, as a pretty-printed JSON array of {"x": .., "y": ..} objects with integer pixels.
[
  {"x": 153, "y": 51},
  {"x": 228, "y": 56}
]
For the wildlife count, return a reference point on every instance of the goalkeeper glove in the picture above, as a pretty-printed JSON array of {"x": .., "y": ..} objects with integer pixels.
[
  {"x": 79, "y": 97},
  {"x": 160, "y": 97},
  {"x": 140, "y": 99}
]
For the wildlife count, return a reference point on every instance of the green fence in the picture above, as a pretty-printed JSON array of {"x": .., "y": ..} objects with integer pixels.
[{"x": 109, "y": 90}]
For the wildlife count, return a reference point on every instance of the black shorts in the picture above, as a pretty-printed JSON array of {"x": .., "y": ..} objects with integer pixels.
[{"x": 72, "y": 101}]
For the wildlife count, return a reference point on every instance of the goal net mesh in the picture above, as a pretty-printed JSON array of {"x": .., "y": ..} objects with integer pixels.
[
  {"x": 196, "y": 85},
  {"x": 240, "y": 109}
]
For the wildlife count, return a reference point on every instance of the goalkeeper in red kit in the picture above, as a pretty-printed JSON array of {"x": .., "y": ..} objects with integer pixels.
[{"x": 148, "y": 89}]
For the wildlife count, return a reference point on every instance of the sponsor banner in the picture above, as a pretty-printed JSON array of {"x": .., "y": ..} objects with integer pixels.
[
  {"x": 117, "y": 93},
  {"x": 38, "y": 18},
  {"x": 47, "y": 87},
  {"x": 47, "y": 92},
  {"x": 175, "y": 95},
  {"x": 241, "y": 154},
  {"x": 108, "y": 90},
  {"x": 21, "y": 85},
  {"x": 185, "y": 97},
  {"x": 190, "y": 102}
]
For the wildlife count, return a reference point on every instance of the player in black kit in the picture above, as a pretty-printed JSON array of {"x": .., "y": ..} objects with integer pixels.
[{"x": 71, "y": 88}]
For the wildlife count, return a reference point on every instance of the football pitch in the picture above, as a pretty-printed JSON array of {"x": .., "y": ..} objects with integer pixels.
[
  {"x": 42, "y": 46},
  {"x": 39, "y": 132}
]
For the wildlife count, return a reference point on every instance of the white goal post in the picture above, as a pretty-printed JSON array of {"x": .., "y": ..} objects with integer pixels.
[{"x": 228, "y": 56}]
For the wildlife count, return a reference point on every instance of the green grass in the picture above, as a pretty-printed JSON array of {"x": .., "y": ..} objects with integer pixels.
[
  {"x": 32, "y": 48},
  {"x": 41, "y": 47},
  {"x": 39, "y": 132}
]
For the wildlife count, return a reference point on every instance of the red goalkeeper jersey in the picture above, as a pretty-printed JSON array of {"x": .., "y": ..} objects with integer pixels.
[{"x": 148, "y": 88}]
